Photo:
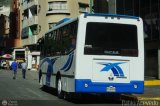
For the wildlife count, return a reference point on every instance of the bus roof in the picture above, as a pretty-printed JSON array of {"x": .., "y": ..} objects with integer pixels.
[
  {"x": 62, "y": 21},
  {"x": 111, "y": 15},
  {"x": 68, "y": 20}
]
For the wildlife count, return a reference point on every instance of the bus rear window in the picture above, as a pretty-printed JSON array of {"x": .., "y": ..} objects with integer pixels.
[{"x": 111, "y": 39}]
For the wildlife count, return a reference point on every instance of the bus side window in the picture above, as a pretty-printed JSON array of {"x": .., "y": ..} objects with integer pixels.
[
  {"x": 73, "y": 33},
  {"x": 72, "y": 42}
]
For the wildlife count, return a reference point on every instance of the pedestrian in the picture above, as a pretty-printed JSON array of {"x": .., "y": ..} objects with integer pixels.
[
  {"x": 24, "y": 68},
  {"x": 14, "y": 66}
]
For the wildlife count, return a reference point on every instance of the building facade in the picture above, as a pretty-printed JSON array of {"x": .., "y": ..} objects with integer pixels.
[
  {"x": 4, "y": 26},
  {"x": 38, "y": 16},
  {"x": 100, "y": 6},
  {"x": 14, "y": 18},
  {"x": 149, "y": 11},
  {"x": 4, "y": 29},
  {"x": 5, "y": 7}
]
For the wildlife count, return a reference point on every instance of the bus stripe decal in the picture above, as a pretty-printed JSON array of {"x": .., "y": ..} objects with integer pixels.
[
  {"x": 120, "y": 71},
  {"x": 115, "y": 72},
  {"x": 68, "y": 64},
  {"x": 50, "y": 70}
]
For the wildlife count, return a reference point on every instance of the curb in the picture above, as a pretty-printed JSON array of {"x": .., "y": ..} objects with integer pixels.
[
  {"x": 148, "y": 98},
  {"x": 139, "y": 98},
  {"x": 152, "y": 82},
  {"x": 142, "y": 97}
]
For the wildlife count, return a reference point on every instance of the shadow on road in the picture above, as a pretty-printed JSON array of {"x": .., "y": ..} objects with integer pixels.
[
  {"x": 49, "y": 90},
  {"x": 87, "y": 98}
]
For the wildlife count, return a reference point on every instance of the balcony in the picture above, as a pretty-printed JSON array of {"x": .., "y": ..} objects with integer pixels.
[
  {"x": 29, "y": 37},
  {"x": 32, "y": 3},
  {"x": 56, "y": 0},
  {"x": 33, "y": 20},
  {"x": 24, "y": 42},
  {"x": 32, "y": 39},
  {"x": 30, "y": 21},
  {"x": 25, "y": 32},
  {"x": 25, "y": 23},
  {"x": 25, "y": 5},
  {"x": 29, "y": 4}
]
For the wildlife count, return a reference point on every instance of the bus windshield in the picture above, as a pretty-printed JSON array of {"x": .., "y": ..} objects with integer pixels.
[{"x": 111, "y": 39}]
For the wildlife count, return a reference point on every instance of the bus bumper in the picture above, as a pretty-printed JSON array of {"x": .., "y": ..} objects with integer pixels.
[{"x": 86, "y": 85}]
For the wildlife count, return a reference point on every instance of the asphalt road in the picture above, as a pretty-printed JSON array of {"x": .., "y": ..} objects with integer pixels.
[{"x": 28, "y": 92}]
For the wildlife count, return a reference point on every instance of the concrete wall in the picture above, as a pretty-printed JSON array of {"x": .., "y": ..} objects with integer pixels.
[
  {"x": 112, "y": 6},
  {"x": 158, "y": 63}
]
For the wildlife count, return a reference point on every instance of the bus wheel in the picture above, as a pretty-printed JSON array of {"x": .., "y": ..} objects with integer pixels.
[{"x": 59, "y": 88}]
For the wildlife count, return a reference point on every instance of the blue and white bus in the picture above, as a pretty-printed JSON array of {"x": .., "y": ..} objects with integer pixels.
[{"x": 94, "y": 53}]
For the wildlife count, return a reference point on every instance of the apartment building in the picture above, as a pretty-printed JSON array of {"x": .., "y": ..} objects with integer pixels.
[
  {"x": 38, "y": 16},
  {"x": 4, "y": 25},
  {"x": 14, "y": 19},
  {"x": 4, "y": 29}
]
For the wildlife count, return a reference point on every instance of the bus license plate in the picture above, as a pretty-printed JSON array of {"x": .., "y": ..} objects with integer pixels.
[{"x": 111, "y": 89}]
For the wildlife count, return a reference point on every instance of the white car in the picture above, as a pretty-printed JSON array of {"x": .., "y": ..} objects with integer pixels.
[{"x": 3, "y": 64}]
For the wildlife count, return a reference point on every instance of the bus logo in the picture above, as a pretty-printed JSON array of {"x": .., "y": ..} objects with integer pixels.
[{"x": 115, "y": 68}]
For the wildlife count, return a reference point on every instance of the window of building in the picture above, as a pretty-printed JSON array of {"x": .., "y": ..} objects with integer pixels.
[
  {"x": 57, "y": 5},
  {"x": 125, "y": 7},
  {"x": 83, "y": 8},
  {"x": 148, "y": 10}
]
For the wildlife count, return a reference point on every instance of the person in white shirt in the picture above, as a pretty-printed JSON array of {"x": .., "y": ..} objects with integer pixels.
[{"x": 24, "y": 69}]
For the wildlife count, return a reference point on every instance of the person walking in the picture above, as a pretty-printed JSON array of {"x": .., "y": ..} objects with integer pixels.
[
  {"x": 24, "y": 68},
  {"x": 14, "y": 66}
]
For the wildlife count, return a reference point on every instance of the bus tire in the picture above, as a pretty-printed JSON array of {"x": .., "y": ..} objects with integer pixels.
[{"x": 59, "y": 88}]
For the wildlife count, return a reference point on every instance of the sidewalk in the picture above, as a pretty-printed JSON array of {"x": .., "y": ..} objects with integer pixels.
[
  {"x": 151, "y": 92},
  {"x": 152, "y": 83}
]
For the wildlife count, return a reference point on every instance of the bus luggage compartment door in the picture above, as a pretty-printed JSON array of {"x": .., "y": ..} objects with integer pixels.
[{"x": 110, "y": 71}]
